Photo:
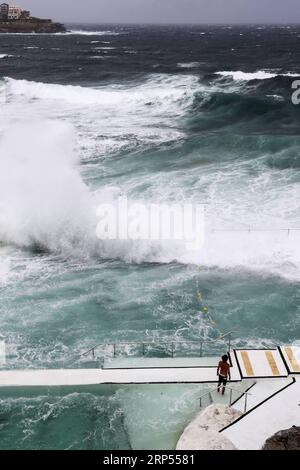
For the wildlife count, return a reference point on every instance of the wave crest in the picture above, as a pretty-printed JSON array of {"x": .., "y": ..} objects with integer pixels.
[{"x": 259, "y": 75}]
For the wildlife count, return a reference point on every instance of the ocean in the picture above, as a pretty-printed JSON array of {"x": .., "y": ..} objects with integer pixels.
[{"x": 159, "y": 114}]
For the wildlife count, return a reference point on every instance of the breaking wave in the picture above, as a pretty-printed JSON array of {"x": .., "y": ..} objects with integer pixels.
[
  {"x": 259, "y": 75},
  {"x": 43, "y": 170},
  {"x": 92, "y": 33},
  {"x": 39, "y": 170},
  {"x": 159, "y": 90}
]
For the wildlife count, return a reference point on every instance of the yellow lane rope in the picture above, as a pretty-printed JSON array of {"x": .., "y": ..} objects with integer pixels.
[{"x": 206, "y": 312}]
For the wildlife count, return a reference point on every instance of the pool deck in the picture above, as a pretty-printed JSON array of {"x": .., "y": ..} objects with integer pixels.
[
  {"x": 251, "y": 363},
  {"x": 267, "y": 415},
  {"x": 272, "y": 374},
  {"x": 146, "y": 371}
]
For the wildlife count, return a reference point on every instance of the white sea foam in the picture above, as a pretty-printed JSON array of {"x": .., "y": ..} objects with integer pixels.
[
  {"x": 32, "y": 211},
  {"x": 159, "y": 91},
  {"x": 44, "y": 201},
  {"x": 38, "y": 172},
  {"x": 5, "y": 265},
  {"x": 72, "y": 32},
  {"x": 259, "y": 75},
  {"x": 43, "y": 154},
  {"x": 4, "y": 56},
  {"x": 146, "y": 112},
  {"x": 104, "y": 48},
  {"x": 188, "y": 65},
  {"x": 99, "y": 57},
  {"x": 92, "y": 33}
]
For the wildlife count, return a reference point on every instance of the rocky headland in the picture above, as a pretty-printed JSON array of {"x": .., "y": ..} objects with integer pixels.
[{"x": 32, "y": 25}]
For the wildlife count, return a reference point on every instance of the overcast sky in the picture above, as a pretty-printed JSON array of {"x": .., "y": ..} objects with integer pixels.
[{"x": 166, "y": 11}]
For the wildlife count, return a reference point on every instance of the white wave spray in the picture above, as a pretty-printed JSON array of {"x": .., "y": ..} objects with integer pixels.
[
  {"x": 43, "y": 200},
  {"x": 259, "y": 75}
]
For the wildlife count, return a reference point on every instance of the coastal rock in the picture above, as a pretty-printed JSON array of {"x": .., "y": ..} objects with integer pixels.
[
  {"x": 287, "y": 439},
  {"x": 32, "y": 26},
  {"x": 203, "y": 432}
]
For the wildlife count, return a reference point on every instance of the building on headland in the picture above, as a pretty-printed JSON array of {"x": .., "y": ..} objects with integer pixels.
[
  {"x": 4, "y": 8},
  {"x": 25, "y": 15},
  {"x": 14, "y": 19},
  {"x": 13, "y": 13}
]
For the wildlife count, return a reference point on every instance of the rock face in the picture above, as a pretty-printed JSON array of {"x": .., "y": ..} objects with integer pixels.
[
  {"x": 34, "y": 25},
  {"x": 288, "y": 439},
  {"x": 203, "y": 432}
]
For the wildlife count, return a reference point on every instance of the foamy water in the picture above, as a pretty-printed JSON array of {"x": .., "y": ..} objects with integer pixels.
[
  {"x": 259, "y": 75},
  {"x": 49, "y": 173}
]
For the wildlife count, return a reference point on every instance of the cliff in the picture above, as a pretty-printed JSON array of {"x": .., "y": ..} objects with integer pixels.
[{"x": 33, "y": 25}]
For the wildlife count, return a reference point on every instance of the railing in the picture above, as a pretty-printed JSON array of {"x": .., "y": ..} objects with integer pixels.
[
  {"x": 168, "y": 346},
  {"x": 230, "y": 401},
  {"x": 250, "y": 230}
]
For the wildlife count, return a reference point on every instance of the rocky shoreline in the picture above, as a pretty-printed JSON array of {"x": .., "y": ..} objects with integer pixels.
[
  {"x": 34, "y": 25},
  {"x": 203, "y": 432}
]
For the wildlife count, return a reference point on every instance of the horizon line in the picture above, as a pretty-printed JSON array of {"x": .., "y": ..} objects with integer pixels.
[{"x": 183, "y": 24}]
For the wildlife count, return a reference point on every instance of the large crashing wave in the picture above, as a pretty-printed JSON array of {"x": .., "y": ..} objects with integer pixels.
[
  {"x": 45, "y": 203},
  {"x": 155, "y": 103},
  {"x": 43, "y": 200},
  {"x": 110, "y": 116},
  {"x": 160, "y": 92}
]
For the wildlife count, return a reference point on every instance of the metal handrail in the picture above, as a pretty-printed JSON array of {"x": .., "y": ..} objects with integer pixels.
[
  {"x": 173, "y": 343},
  {"x": 288, "y": 230},
  {"x": 242, "y": 394},
  {"x": 207, "y": 394}
]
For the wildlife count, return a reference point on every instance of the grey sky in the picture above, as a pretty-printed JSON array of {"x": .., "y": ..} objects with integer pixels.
[{"x": 166, "y": 11}]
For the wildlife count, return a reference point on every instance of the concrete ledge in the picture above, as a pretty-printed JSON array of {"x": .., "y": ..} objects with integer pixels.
[{"x": 58, "y": 377}]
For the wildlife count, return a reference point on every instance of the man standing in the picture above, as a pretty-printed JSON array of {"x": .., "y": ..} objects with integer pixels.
[{"x": 223, "y": 372}]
